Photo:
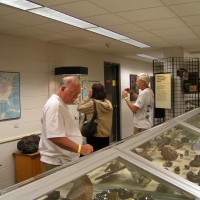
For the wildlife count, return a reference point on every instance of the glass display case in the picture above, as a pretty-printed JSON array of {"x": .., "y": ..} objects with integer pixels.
[
  {"x": 158, "y": 164},
  {"x": 118, "y": 179},
  {"x": 174, "y": 146},
  {"x": 192, "y": 119}
]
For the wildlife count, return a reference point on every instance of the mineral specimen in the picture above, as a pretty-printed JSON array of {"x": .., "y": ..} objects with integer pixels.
[
  {"x": 196, "y": 161},
  {"x": 169, "y": 153},
  {"x": 191, "y": 176},
  {"x": 177, "y": 170},
  {"x": 168, "y": 164}
]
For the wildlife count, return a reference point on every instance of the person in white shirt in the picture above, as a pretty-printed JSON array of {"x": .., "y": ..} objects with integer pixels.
[
  {"x": 61, "y": 140},
  {"x": 143, "y": 107}
]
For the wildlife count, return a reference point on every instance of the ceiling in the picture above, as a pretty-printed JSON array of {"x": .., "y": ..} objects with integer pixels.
[{"x": 157, "y": 23}]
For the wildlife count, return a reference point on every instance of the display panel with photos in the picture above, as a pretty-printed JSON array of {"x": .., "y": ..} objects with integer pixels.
[{"x": 120, "y": 180}]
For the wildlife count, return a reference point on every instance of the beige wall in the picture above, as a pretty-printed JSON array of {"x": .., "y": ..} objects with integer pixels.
[{"x": 36, "y": 60}]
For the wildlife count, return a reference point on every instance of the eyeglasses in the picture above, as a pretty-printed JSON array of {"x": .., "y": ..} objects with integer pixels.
[{"x": 74, "y": 93}]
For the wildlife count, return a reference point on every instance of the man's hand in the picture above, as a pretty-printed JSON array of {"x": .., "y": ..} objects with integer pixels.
[
  {"x": 129, "y": 91},
  {"x": 86, "y": 149}
]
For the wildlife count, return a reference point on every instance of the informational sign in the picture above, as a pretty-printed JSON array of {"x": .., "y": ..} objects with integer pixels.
[{"x": 163, "y": 91}]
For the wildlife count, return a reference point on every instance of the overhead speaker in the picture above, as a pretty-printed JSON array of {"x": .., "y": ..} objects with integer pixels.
[{"x": 71, "y": 70}]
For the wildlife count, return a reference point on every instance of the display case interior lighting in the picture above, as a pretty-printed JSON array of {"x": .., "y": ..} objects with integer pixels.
[
  {"x": 67, "y": 19},
  {"x": 146, "y": 56},
  {"x": 21, "y": 4}
]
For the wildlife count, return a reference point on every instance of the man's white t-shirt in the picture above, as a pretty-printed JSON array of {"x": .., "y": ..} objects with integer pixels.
[
  {"x": 58, "y": 121},
  {"x": 144, "y": 116}
]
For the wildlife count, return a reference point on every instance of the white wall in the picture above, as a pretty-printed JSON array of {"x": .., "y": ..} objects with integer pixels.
[{"x": 36, "y": 60}]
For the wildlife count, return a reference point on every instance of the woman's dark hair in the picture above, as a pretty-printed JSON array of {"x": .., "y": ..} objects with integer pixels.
[{"x": 98, "y": 91}]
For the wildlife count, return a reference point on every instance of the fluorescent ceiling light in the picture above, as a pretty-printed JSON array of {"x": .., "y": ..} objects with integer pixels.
[
  {"x": 21, "y": 4},
  {"x": 135, "y": 43},
  {"x": 67, "y": 19},
  {"x": 108, "y": 33},
  {"x": 147, "y": 56}
]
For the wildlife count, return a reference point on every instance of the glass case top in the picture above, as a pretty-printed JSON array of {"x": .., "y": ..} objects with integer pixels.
[
  {"x": 118, "y": 180},
  {"x": 194, "y": 120},
  {"x": 176, "y": 150}
]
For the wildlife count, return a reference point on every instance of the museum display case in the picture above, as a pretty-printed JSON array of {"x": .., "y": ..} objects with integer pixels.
[
  {"x": 109, "y": 174},
  {"x": 174, "y": 146},
  {"x": 191, "y": 118},
  {"x": 136, "y": 168}
]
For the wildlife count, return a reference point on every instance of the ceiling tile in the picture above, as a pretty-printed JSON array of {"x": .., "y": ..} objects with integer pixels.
[
  {"x": 50, "y": 37},
  {"x": 153, "y": 22},
  {"x": 126, "y": 5},
  {"x": 139, "y": 35},
  {"x": 172, "y": 31},
  {"x": 182, "y": 38},
  {"x": 6, "y": 10},
  {"x": 26, "y": 18},
  {"x": 192, "y": 20},
  {"x": 186, "y": 9},
  {"x": 147, "y": 14},
  {"x": 156, "y": 42},
  {"x": 80, "y": 9},
  {"x": 106, "y": 20},
  {"x": 49, "y": 3},
  {"x": 171, "y": 2},
  {"x": 161, "y": 24},
  {"x": 55, "y": 27},
  {"x": 4, "y": 25},
  {"x": 124, "y": 28},
  {"x": 25, "y": 31}
]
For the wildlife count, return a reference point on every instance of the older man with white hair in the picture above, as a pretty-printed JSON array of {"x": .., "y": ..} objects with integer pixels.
[{"x": 143, "y": 107}]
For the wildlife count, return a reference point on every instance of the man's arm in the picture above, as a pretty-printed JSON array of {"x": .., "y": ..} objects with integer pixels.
[
  {"x": 132, "y": 107},
  {"x": 66, "y": 143}
]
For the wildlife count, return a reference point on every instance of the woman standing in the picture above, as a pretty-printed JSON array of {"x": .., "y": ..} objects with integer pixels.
[{"x": 104, "y": 110}]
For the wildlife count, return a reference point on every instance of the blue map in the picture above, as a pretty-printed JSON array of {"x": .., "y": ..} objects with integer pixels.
[{"x": 10, "y": 107}]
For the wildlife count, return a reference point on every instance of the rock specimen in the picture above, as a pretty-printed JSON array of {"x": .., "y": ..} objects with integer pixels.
[
  {"x": 177, "y": 170},
  {"x": 196, "y": 161},
  {"x": 168, "y": 153},
  {"x": 195, "y": 178},
  {"x": 81, "y": 190},
  {"x": 168, "y": 164}
]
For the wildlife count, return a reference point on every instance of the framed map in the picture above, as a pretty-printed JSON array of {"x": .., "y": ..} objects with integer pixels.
[{"x": 10, "y": 107}]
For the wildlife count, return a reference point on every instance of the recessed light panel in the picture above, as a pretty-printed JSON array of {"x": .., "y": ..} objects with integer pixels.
[{"x": 21, "y": 4}]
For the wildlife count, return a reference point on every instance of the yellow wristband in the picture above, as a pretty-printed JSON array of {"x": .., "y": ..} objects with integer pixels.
[
  {"x": 79, "y": 149},
  {"x": 125, "y": 98}
]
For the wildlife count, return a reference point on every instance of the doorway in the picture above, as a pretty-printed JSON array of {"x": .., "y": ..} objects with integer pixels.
[{"x": 112, "y": 86}]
